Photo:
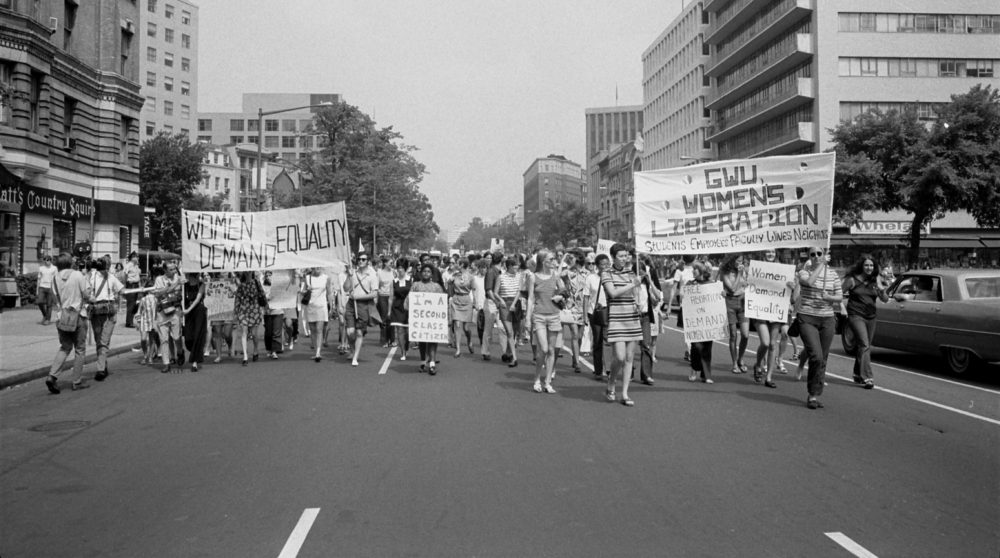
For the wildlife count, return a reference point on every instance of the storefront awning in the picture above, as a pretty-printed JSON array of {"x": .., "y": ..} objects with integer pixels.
[
  {"x": 120, "y": 213},
  {"x": 991, "y": 242},
  {"x": 950, "y": 243}
]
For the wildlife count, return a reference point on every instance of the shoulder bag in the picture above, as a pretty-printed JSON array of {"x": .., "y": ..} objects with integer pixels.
[
  {"x": 601, "y": 316},
  {"x": 374, "y": 318},
  {"x": 69, "y": 318},
  {"x": 307, "y": 295}
]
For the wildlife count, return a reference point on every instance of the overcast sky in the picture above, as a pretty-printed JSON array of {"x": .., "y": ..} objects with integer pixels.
[{"x": 481, "y": 88}]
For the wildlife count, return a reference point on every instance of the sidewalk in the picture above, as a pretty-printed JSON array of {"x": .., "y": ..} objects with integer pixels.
[{"x": 27, "y": 347}]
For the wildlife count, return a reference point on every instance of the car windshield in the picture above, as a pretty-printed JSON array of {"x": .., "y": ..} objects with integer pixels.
[{"x": 983, "y": 287}]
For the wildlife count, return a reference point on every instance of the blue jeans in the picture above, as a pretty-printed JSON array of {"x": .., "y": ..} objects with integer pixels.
[
  {"x": 864, "y": 333},
  {"x": 72, "y": 341},
  {"x": 817, "y": 335}
]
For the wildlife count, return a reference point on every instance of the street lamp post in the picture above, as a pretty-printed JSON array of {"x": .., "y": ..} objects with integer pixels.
[{"x": 261, "y": 113}]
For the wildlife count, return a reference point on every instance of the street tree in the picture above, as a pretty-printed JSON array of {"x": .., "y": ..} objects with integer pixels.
[
  {"x": 476, "y": 236},
  {"x": 169, "y": 169},
  {"x": 892, "y": 160},
  {"x": 565, "y": 222},
  {"x": 374, "y": 173},
  {"x": 205, "y": 202}
]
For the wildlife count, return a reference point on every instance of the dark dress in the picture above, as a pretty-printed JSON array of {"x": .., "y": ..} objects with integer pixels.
[
  {"x": 195, "y": 324},
  {"x": 400, "y": 289}
]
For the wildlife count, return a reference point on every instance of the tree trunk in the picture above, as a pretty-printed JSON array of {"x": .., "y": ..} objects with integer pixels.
[{"x": 918, "y": 221}]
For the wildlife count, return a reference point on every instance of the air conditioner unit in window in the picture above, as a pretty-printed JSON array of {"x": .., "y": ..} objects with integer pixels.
[
  {"x": 128, "y": 26},
  {"x": 53, "y": 24},
  {"x": 69, "y": 144}
]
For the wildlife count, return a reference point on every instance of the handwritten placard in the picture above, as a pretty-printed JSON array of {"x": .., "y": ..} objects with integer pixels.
[
  {"x": 704, "y": 312},
  {"x": 428, "y": 317},
  {"x": 283, "y": 290},
  {"x": 767, "y": 292},
  {"x": 220, "y": 300}
]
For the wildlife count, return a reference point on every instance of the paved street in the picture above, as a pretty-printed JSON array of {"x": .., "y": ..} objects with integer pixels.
[{"x": 471, "y": 462}]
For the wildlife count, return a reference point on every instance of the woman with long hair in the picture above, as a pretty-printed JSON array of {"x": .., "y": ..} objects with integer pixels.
[
  {"x": 545, "y": 296},
  {"x": 862, "y": 286},
  {"x": 426, "y": 284},
  {"x": 247, "y": 311},
  {"x": 733, "y": 273},
  {"x": 195, "y": 319},
  {"x": 621, "y": 285}
]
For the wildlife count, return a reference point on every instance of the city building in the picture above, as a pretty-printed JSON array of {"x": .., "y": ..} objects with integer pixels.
[
  {"x": 607, "y": 127},
  {"x": 221, "y": 177},
  {"x": 614, "y": 169},
  {"x": 784, "y": 72},
  {"x": 244, "y": 156},
  {"x": 548, "y": 183},
  {"x": 168, "y": 66},
  {"x": 69, "y": 131},
  {"x": 286, "y": 134}
]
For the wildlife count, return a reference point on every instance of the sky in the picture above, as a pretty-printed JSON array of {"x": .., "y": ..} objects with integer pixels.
[{"x": 481, "y": 88}]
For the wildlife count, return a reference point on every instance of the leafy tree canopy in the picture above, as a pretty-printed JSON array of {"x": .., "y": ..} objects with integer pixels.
[
  {"x": 169, "y": 169},
  {"x": 566, "y": 223}
]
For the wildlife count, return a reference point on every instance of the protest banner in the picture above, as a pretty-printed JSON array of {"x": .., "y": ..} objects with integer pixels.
[
  {"x": 310, "y": 236},
  {"x": 428, "y": 321},
  {"x": 742, "y": 205},
  {"x": 220, "y": 299},
  {"x": 284, "y": 289},
  {"x": 604, "y": 246},
  {"x": 704, "y": 309},
  {"x": 496, "y": 245},
  {"x": 767, "y": 292}
]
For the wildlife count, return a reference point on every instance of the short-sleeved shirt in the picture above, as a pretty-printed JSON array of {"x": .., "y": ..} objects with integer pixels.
[
  {"x": 683, "y": 277},
  {"x": 111, "y": 289},
  {"x": 45, "y": 275},
  {"x": 492, "y": 274},
  {"x": 385, "y": 278},
  {"x": 593, "y": 292},
  {"x": 71, "y": 288},
  {"x": 362, "y": 283},
  {"x": 811, "y": 301}
]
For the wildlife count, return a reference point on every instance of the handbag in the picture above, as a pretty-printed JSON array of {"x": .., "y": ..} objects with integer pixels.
[
  {"x": 69, "y": 318},
  {"x": 794, "y": 330},
  {"x": 601, "y": 315},
  {"x": 103, "y": 307},
  {"x": 167, "y": 304},
  {"x": 566, "y": 316},
  {"x": 307, "y": 295}
]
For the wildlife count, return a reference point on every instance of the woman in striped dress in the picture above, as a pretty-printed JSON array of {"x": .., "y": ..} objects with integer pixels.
[{"x": 621, "y": 285}]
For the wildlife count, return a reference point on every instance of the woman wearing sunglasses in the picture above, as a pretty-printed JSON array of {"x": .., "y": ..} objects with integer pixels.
[{"x": 820, "y": 296}]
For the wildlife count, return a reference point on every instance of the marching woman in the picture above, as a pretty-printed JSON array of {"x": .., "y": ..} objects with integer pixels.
[
  {"x": 195, "y": 319},
  {"x": 507, "y": 289},
  {"x": 315, "y": 307},
  {"x": 545, "y": 297},
  {"x": 769, "y": 335},
  {"x": 398, "y": 316},
  {"x": 624, "y": 331},
  {"x": 463, "y": 316},
  {"x": 862, "y": 286},
  {"x": 247, "y": 310},
  {"x": 427, "y": 284},
  {"x": 821, "y": 295},
  {"x": 733, "y": 273}
]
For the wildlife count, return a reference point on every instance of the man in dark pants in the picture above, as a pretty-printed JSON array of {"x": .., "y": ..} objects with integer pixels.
[
  {"x": 133, "y": 274},
  {"x": 595, "y": 297}
]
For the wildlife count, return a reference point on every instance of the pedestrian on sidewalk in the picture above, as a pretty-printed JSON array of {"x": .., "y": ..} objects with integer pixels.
[
  {"x": 104, "y": 312},
  {"x": 43, "y": 292},
  {"x": 73, "y": 293},
  {"x": 133, "y": 275},
  {"x": 195, "y": 319}
]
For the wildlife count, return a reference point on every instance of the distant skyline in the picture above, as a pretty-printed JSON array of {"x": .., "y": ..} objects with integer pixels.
[{"x": 482, "y": 89}]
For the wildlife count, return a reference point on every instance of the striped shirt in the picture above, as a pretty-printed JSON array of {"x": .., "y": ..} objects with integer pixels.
[
  {"x": 811, "y": 301},
  {"x": 510, "y": 285},
  {"x": 146, "y": 313}
]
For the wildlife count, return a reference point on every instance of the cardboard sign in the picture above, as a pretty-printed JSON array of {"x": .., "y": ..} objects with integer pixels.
[
  {"x": 767, "y": 292},
  {"x": 704, "y": 307},
  {"x": 220, "y": 299},
  {"x": 283, "y": 290},
  {"x": 604, "y": 246},
  {"x": 428, "y": 317},
  {"x": 301, "y": 237},
  {"x": 742, "y": 205},
  {"x": 496, "y": 245}
]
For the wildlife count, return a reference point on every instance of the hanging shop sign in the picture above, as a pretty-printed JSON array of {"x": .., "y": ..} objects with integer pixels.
[{"x": 30, "y": 199}]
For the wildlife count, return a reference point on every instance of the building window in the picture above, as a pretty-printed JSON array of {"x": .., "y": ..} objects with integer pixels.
[
  {"x": 270, "y": 125},
  {"x": 168, "y": 83},
  {"x": 185, "y": 40},
  {"x": 288, "y": 141},
  {"x": 35, "y": 99},
  {"x": 253, "y": 125},
  {"x": 290, "y": 157},
  {"x": 126, "y": 123},
  {"x": 186, "y": 88},
  {"x": 287, "y": 125},
  {"x": 186, "y": 64},
  {"x": 151, "y": 29},
  {"x": 168, "y": 34},
  {"x": 270, "y": 141},
  {"x": 217, "y": 180},
  {"x": 304, "y": 125},
  {"x": 168, "y": 59},
  {"x": 150, "y": 128},
  {"x": 126, "y": 50},
  {"x": 151, "y": 103},
  {"x": 151, "y": 79},
  {"x": 69, "y": 23},
  {"x": 151, "y": 5},
  {"x": 235, "y": 139},
  {"x": 150, "y": 54},
  {"x": 225, "y": 182},
  {"x": 236, "y": 125},
  {"x": 168, "y": 11},
  {"x": 185, "y": 111},
  {"x": 204, "y": 125},
  {"x": 305, "y": 142},
  {"x": 6, "y": 76},
  {"x": 69, "y": 115},
  {"x": 186, "y": 132},
  {"x": 168, "y": 108},
  {"x": 185, "y": 17},
  {"x": 204, "y": 139},
  {"x": 252, "y": 139}
]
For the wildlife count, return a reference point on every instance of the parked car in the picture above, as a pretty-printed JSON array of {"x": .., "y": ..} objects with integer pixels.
[{"x": 951, "y": 312}]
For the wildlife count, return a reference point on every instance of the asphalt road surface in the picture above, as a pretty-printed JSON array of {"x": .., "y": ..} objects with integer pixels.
[{"x": 295, "y": 458}]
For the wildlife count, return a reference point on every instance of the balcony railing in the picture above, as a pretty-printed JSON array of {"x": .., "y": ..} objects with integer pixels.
[
  {"x": 769, "y": 66},
  {"x": 780, "y": 100},
  {"x": 768, "y": 26},
  {"x": 732, "y": 16}
]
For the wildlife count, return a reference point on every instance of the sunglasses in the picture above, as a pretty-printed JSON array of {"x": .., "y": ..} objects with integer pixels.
[
  {"x": 362, "y": 259},
  {"x": 815, "y": 253}
]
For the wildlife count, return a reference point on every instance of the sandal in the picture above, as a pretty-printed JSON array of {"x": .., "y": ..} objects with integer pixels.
[
  {"x": 628, "y": 402},
  {"x": 743, "y": 368},
  {"x": 609, "y": 395},
  {"x": 770, "y": 384},
  {"x": 758, "y": 374},
  {"x": 781, "y": 368}
]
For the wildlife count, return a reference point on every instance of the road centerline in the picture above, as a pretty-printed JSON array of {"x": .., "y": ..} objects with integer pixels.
[
  {"x": 387, "y": 362},
  {"x": 298, "y": 536}
]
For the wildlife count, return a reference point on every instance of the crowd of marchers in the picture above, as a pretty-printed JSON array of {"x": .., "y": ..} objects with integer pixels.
[{"x": 607, "y": 306}]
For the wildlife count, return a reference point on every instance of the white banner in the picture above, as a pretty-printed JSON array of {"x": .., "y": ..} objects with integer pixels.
[
  {"x": 283, "y": 290},
  {"x": 604, "y": 246},
  {"x": 428, "y": 317},
  {"x": 704, "y": 308},
  {"x": 220, "y": 299},
  {"x": 741, "y": 205},
  {"x": 311, "y": 236},
  {"x": 767, "y": 292}
]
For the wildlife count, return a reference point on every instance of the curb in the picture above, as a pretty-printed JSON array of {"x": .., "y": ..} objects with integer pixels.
[{"x": 24, "y": 376}]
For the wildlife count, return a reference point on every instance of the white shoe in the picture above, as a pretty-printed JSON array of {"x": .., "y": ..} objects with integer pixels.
[
  {"x": 403, "y": 357},
  {"x": 537, "y": 387},
  {"x": 354, "y": 362},
  {"x": 291, "y": 345},
  {"x": 549, "y": 389}
]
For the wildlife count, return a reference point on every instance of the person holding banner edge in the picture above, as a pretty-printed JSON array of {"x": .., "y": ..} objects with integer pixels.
[
  {"x": 821, "y": 290},
  {"x": 733, "y": 273},
  {"x": 361, "y": 290},
  {"x": 195, "y": 319}
]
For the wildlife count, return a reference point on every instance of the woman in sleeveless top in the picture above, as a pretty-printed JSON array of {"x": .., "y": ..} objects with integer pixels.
[
  {"x": 195, "y": 319},
  {"x": 463, "y": 318},
  {"x": 734, "y": 281},
  {"x": 545, "y": 295},
  {"x": 398, "y": 315},
  {"x": 624, "y": 331},
  {"x": 507, "y": 288}
]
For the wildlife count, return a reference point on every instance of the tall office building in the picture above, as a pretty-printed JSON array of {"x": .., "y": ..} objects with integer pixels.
[
  {"x": 69, "y": 134},
  {"x": 607, "y": 127},
  {"x": 674, "y": 87},
  {"x": 285, "y": 134},
  {"x": 168, "y": 66},
  {"x": 549, "y": 182}
]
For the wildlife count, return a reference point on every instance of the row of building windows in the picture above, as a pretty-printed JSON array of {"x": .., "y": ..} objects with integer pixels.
[
  {"x": 689, "y": 55},
  {"x": 849, "y": 110},
  {"x": 765, "y": 17},
  {"x": 168, "y": 59},
  {"x": 677, "y": 95},
  {"x": 168, "y": 35},
  {"x": 870, "y": 22},
  {"x": 151, "y": 129},
  {"x": 250, "y": 125},
  {"x": 769, "y": 134},
  {"x": 168, "y": 107},
  {"x": 916, "y": 67},
  {"x": 168, "y": 83},
  {"x": 769, "y": 93},
  {"x": 763, "y": 57},
  {"x": 168, "y": 11},
  {"x": 678, "y": 39}
]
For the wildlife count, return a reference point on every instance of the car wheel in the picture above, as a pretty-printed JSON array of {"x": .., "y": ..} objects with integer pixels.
[
  {"x": 959, "y": 361},
  {"x": 847, "y": 340}
]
